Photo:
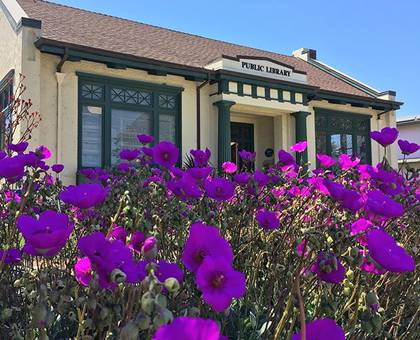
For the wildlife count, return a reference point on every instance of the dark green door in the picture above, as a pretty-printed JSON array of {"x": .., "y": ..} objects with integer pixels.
[{"x": 242, "y": 138}]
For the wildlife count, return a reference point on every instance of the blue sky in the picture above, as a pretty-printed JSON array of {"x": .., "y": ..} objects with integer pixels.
[{"x": 375, "y": 41}]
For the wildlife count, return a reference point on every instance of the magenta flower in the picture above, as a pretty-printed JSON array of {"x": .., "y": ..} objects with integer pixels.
[
  {"x": 19, "y": 148},
  {"x": 84, "y": 196},
  {"x": 183, "y": 328},
  {"x": 267, "y": 220},
  {"x": 136, "y": 241},
  {"x": 325, "y": 160},
  {"x": 201, "y": 158},
  {"x": 83, "y": 271},
  {"x": 219, "y": 282},
  {"x": 129, "y": 154},
  {"x": 380, "y": 204},
  {"x": 12, "y": 167},
  {"x": 43, "y": 152},
  {"x": 166, "y": 270},
  {"x": 386, "y": 252},
  {"x": 118, "y": 233},
  {"x": 149, "y": 244},
  {"x": 247, "y": 156},
  {"x": 322, "y": 329},
  {"x": 45, "y": 236},
  {"x": 229, "y": 167},
  {"x": 346, "y": 162},
  {"x": 386, "y": 136},
  {"x": 359, "y": 226},
  {"x": 408, "y": 148},
  {"x": 145, "y": 139},
  {"x": 329, "y": 268},
  {"x": 57, "y": 168},
  {"x": 165, "y": 154},
  {"x": 219, "y": 189},
  {"x": 204, "y": 240},
  {"x": 299, "y": 147},
  {"x": 10, "y": 256}
]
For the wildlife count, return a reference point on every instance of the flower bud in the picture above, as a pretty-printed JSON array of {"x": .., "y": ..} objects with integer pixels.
[
  {"x": 39, "y": 314},
  {"x": 118, "y": 276},
  {"x": 371, "y": 299},
  {"x": 172, "y": 285},
  {"x": 377, "y": 323},
  {"x": 161, "y": 300},
  {"x": 347, "y": 291},
  {"x": 366, "y": 326},
  {"x": 129, "y": 332},
  {"x": 6, "y": 313},
  {"x": 147, "y": 303},
  {"x": 350, "y": 274},
  {"x": 354, "y": 252},
  {"x": 143, "y": 321},
  {"x": 104, "y": 313}
]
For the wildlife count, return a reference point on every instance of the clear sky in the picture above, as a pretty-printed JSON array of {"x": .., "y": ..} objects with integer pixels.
[{"x": 374, "y": 41}]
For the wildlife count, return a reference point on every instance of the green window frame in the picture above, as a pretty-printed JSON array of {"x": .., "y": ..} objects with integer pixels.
[
  {"x": 338, "y": 132},
  {"x": 150, "y": 106},
  {"x": 6, "y": 93}
]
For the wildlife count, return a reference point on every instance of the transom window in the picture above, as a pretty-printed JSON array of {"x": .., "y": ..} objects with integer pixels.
[
  {"x": 112, "y": 112},
  {"x": 343, "y": 132}
]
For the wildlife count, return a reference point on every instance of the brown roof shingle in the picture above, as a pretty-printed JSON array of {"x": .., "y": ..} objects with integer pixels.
[{"x": 80, "y": 27}]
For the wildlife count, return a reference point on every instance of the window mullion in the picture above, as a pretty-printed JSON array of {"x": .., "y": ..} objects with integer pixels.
[{"x": 106, "y": 140}]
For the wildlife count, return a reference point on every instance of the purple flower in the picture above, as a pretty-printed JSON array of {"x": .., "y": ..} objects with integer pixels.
[
  {"x": 145, "y": 139},
  {"x": 219, "y": 189},
  {"x": 19, "y": 148},
  {"x": 219, "y": 282},
  {"x": 12, "y": 167},
  {"x": 84, "y": 196},
  {"x": 261, "y": 178},
  {"x": 118, "y": 233},
  {"x": 129, "y": 154},
  {"x": 200, "y": 157},
  {"x": 247, "y": 156},
  {"x": 346, "y": 162},
  {"x": 204, "y": 241},
  {"x": 83, "y": 271},
  {"x": 45, "y": 236},
  {"x": 124, "y": 167},
  {"x": 285, "y": 158},
  {"x": 165, "y": 270},
  {"x": 329, "y": 268},
  {"x": 325, "y": 160},
  {"x": 380, "y": 204},
  {"x": 299, "y": 147},
  {"x": 389, "y": 182},
  {"x": 165, "y": 154},
  {"x": 386, "y": 136},
  {"x": 267, "y": 220},
  {"x": 185, "y": 188},
  {"x": 183, "y": 328},
  {"x": 408, "y": 148},
  {"x": 136, "y": 241},
  {"x": 360, "y": 226},
  {"x": 242, "y": 178},
  {"x": 10, "y": 256},
  {"x": 229, "y": 167},
  {"x": 352, "y": 200},
  {"x": 199, "y": 174},
  {"x": 57, "y": 168},
  {"x": 386, "y": 252},
  {"x": 322, "y": 329},
  {"x": 149, "y": 244},
  {"x": 43, "y": 152}
]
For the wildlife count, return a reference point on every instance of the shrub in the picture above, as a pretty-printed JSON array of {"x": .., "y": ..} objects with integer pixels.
[{"x": 149, "y": 250}]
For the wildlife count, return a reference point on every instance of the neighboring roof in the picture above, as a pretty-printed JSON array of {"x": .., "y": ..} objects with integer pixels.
[
  {"x": 409, "y": 121},
  {"x": 78, "y": 27}
]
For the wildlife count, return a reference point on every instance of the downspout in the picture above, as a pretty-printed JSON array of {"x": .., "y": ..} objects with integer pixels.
[
  {"x": 60, "y": 78},
  {"x": 198, "y": 96}
]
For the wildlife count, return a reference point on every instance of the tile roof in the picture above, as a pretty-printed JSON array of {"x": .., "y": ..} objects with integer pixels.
[{"x": 80, "y": 27}]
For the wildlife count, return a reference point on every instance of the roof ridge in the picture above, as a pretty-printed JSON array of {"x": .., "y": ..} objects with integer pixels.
[{"x": 169, "y": 29}]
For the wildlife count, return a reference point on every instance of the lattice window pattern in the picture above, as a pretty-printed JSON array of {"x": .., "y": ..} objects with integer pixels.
[
  {"x": 92, "y": 92},
  {"x": 128, "y": 96},
  {"x": 167, "y": 101}
]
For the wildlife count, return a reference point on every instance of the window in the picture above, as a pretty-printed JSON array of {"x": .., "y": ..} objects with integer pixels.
[
  {"x": 343, "y": 132},
  {"x": 112, "y": 112},
  {"x": 6, "y": 93}
]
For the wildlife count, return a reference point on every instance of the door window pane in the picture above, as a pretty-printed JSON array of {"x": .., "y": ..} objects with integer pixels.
[
  {"x": 321, "y": 142},
  {"x": 362, "y": 149},
  {"x": 341, "y": 143},
  {"x": 91, "y": 136},
  {"x": 125, "y": 126},
  {"x": 167, "y": 125}
]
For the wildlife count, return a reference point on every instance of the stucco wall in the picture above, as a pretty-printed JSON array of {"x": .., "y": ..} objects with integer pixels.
[
  {"x": 10, "y": 47},
  {"x": 410, "y": 132}
]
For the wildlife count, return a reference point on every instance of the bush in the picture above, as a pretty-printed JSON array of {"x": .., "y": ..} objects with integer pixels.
[{"x": 150, "y": 250}]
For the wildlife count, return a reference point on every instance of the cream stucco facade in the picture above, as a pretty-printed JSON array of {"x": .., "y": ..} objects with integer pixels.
[{"x": 54, "y": 93}]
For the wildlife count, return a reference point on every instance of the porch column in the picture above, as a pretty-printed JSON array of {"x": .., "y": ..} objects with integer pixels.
[
  {"x": 223, "y": 130},
  {"x": 301, "y": 134}
]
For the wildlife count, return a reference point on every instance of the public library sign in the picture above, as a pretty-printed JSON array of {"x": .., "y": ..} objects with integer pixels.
[{"x": 262, "y": 67}]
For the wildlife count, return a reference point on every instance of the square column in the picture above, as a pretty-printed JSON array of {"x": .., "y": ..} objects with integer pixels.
[
  {"x": 223, "y": 131},
  {"x": 301, "y": 133}
]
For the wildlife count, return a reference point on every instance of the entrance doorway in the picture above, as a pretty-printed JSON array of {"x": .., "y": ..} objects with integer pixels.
[{"x": 242, "y": 138}]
